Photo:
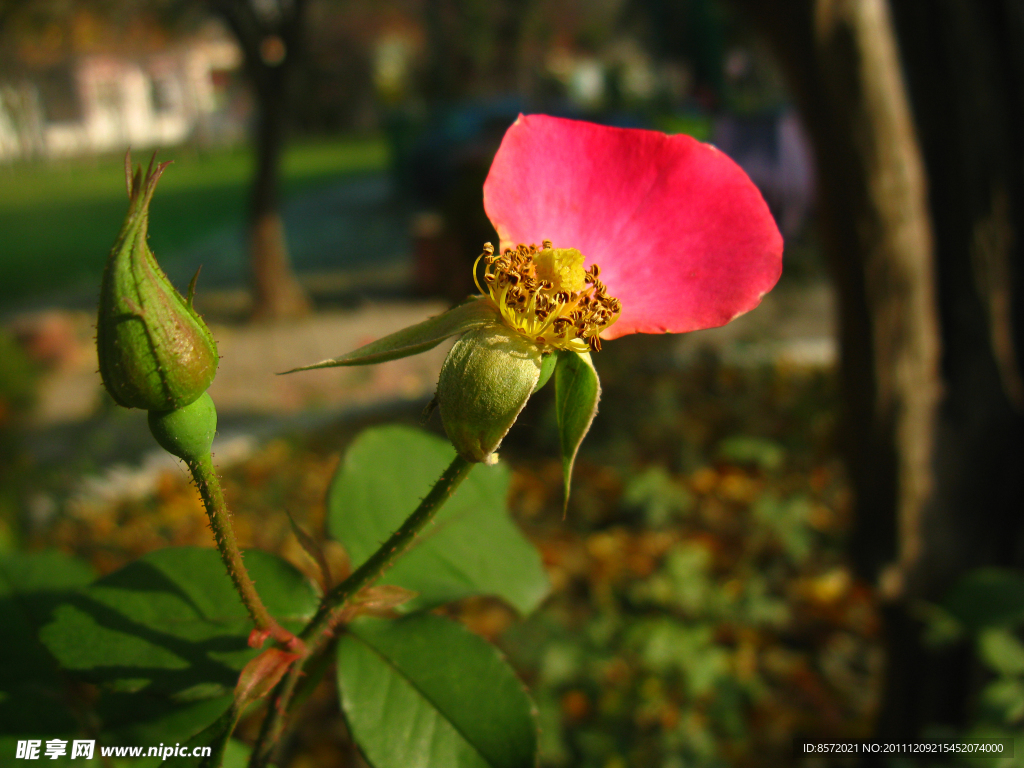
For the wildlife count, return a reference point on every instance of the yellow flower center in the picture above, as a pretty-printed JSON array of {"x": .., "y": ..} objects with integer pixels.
[{"x": 546, "y": 295}]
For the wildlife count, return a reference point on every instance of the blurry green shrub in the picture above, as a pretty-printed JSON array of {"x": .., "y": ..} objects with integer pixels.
[{"x": 18, "y": 381}]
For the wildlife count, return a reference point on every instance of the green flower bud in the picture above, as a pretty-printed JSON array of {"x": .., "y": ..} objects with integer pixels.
[
  {"x": 155, "y": 351},
  {"x": 485, "y": 382},
  {"x": 186, "y": 432}
]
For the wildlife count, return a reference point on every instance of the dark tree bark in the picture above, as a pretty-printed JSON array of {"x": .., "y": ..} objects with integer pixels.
[
  {"x": 272, "y": 46},
  {"x": 930, "y": 331},
  {"x": 841, "y": 61},
  {"x": 965, "y": 66}
]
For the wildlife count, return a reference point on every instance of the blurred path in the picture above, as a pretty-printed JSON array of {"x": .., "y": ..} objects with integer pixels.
[
  {"x": 251, "y": 355},
  {"x": 792, "y": 325}
]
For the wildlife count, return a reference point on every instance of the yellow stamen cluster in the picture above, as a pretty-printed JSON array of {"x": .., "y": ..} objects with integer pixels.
[{"x": 546, "y": 295}]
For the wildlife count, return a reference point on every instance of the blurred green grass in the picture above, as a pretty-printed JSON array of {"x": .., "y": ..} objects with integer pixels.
[{"x": 58, "y": 220}]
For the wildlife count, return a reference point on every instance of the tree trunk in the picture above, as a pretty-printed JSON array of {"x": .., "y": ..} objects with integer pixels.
[
  {"x": 931, "y": 334},
  {"x": 276, "y": 292},
  {"x": 272, "y": 46},
  {"x": 965, "y": 67},
  {"x": 841, "y": 60}
]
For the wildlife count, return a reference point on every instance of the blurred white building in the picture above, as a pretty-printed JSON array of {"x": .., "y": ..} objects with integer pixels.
[{"x": 104, "y": 102}]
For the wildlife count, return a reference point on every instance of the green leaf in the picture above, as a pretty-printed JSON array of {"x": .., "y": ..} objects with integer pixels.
[
  {"x": 1005, "y": 697},
  {"x": 787, "y": 519},
  {"x": 940, "y": 627},
  {"x": 742, "y": 449},
  {"x": 659, "y": 496},
  {"x": 471, "y": 548},
  {"x": 416, "y": 338},
  {"x": 424, "y": 692},
  {"x": 167, "y": 637},
  {"x": 236, "y": 754},
  {"x": 988, "y": 597},
  {"x": 1001, "y": 651},
  {"x": 143, "y": 718},
  {"x": 216, "y": 736},
  {"x": 577, "y": 391},
  {"x": 31, "y": 690}
]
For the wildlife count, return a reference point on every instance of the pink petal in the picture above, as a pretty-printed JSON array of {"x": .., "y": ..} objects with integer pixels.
[{"x": 683, "y": 237}]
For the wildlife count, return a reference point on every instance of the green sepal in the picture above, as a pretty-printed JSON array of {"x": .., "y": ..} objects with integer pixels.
[
  {"x": 485, "y": 382},
  {"x": 190, "y": 296},
  {"x": 155, "y": 351},
  {"x": 547, "y": 367},
  {"x": 577, "y": 391},
  {"x": 416, "y": 338},
  {"x": 186, "y": 432}
]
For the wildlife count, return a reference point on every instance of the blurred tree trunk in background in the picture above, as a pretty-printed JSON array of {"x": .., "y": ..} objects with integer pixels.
[
  {"x": 928, "y": 326},
  {"x": 964, "y": 62},
  {"x": 271, "y": 36}
]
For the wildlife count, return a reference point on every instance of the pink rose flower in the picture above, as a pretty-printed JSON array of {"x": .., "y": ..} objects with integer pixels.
[
  {"x": 639, "y": 232},
  {"x": 683, "y": 238}
]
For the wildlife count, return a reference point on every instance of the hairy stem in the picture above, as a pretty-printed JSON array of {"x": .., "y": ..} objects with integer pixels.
[
  {"x": 224, "y": 535},
  {"x": 320, "y": 630}
]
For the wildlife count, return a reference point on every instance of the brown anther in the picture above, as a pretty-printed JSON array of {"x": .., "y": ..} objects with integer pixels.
[{"x": 545, "y": 243}]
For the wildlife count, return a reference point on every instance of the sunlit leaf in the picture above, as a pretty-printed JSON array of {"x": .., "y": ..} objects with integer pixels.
[
  {"x": 1006, "y": 697},
  {"x": 741, "y": 449},
  {"x": 424, "y": 692},
  {"x": 1001, "y": 651},
  {"x": 471, "y": 548},
  {"x": 658, "y": 495}
]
